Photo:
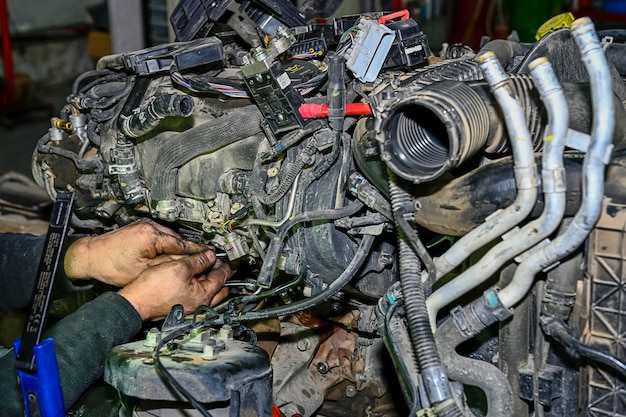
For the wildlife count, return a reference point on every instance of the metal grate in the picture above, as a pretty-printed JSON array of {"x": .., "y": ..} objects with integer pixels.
[{"x": 606, "y": 327}]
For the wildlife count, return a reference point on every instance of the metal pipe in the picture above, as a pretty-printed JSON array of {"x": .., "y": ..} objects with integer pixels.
[
  {"x": 553, "y": 179},
  {"x": 525, "y": 174},
  {"x": 593, "y": 167}
]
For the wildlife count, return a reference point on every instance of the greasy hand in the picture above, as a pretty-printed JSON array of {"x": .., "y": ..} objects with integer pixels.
[
  {"x": 181, "y": 281},
  {"x": 118, "y": 257}
]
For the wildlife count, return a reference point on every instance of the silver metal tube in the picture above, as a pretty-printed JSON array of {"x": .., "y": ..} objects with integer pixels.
[
  {"x": 593, "y": 168},
  {"x": 553, "y": 178},
  {"x": 524, "y": 165}
]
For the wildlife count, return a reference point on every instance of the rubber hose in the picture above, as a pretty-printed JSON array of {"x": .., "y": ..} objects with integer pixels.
[
  {"x": 506, "y": 50},
  {"x": 462, "y": 69},
  {"x": 616, "y": 54},
  {"x": 276, "y": 245},
  {"x": 294, "y": 170},
  {"x": 149, "y": 116},
  {"x": 474, "y": 372},
  {"x": 205, "y": 138}
]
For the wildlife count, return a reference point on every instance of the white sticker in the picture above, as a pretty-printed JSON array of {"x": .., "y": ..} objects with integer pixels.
[{"x": 283, "y": 80}]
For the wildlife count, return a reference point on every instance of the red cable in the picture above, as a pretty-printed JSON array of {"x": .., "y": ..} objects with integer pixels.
[{"x": 316, "y": 111}]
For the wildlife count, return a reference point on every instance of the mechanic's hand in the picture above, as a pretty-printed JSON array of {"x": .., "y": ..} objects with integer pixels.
[
  {"x": 181, "y": 281},
  {"x": 118, "y": 257}
]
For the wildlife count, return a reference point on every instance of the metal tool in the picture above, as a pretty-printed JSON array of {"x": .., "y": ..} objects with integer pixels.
[{"x": 35, "y": 360}]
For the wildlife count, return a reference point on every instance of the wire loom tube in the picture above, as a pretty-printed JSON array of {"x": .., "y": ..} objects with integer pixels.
[
  {"x": 435, "y": 380},
  {"x": 205, "y": 138}
]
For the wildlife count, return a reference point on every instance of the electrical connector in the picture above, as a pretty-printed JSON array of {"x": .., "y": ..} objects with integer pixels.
[{"x": 370, "y": 49}]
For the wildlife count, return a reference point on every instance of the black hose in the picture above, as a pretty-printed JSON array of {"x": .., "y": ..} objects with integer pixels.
[
  {"x": 461, "y": 205},
  {"x": 506, "y": 50},
  {"x": 149, "y": 116},
  {"x": 412, "y": 289},
  {"x": 461, "y": 69},
  {"x": 132, "y": 102},
  {"x": 115, "y": 95},
  {"x": 559, "y": 332},
  {"x": 89, "y": 74},
  {"x": 81, "y": 164},
  {"x": 418, "y": 247},
  {"x": 294, "y": 170},
  {"x": 409, "y": 386},
  {"x": 616, "y": 54},
  {"x": 474, "y": 372},
  {"x": 205, "y": 138},
  {"x": 561, "y": 288}
]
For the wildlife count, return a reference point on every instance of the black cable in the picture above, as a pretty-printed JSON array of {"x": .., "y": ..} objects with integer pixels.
[
  {"x": 88, "y": 74},
  {"x": 559, "y": 332},
  {"x": 81, "y": 164},
  {"x": 246, "y": 299},
  {"x": 168, "y": 376},
  {"x": 419, "y": 249}
]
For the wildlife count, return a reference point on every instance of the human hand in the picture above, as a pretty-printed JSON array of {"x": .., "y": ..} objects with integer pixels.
[
  {"x": 180, "y": 281},
  {"x": 119, "y": 256}
]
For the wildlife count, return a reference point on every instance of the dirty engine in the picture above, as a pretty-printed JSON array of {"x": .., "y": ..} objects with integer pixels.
[{"x": 415, "y": 234}]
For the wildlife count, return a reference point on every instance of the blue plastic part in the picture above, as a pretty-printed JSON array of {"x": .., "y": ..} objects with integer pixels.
[
  {"x": 492, "y": 298},
  {"x": 369, "y": 51},
  {"x": 41, "y": 390}
]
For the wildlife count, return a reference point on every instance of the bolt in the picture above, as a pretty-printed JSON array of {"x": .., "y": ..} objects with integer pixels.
[
  {"x": 225, "y": 333},
  {"x": 303, "y": 345},
  {"x": 322, "y": 367},
  {"x": 209, "y": 353},
  {"x": 152, "y": 337},
  {"x": 336, "y": 308},
  {"x": 350, "y": 391}
]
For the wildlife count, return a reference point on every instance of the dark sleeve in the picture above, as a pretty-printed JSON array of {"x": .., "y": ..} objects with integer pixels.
[
  {"x": 19, "y": 261},
  {"x": 81, "y": 343}
]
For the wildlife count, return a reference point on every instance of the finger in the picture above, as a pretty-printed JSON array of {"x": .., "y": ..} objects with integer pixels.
[
  {"x": 219, "y": 297},
  {"x": 215, "y": 280}
]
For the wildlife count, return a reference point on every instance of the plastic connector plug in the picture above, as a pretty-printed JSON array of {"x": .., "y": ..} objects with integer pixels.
[{"x": 370, "y": 50}]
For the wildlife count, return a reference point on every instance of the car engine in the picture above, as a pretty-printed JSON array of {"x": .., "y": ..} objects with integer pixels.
[{"x": 431, "y": 235}]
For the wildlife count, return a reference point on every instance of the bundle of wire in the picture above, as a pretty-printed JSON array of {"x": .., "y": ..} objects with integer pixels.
[
  {"x": 208, "y": 86},
  {"x": 314, "y": 83}
]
